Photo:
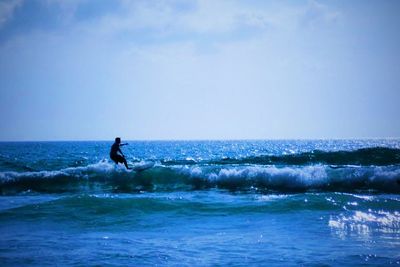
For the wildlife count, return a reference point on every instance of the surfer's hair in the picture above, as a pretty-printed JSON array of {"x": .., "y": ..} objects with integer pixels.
[{"x": 118, "y": 139}]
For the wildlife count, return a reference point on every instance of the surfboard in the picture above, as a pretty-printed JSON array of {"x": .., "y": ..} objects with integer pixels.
[{"x": 141, "y": 166}]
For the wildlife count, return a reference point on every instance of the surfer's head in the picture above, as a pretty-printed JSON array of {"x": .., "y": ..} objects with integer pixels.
[{"x": 117, "y": 140}]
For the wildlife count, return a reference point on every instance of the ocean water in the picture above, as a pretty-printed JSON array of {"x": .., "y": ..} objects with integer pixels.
[{"x": 203, "y": 203}]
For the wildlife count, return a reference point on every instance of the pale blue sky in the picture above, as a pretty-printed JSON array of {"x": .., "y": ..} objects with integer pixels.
[{"x": 89, "y": 70}]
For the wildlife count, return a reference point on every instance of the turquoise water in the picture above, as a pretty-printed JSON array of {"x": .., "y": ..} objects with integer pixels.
[{"x": 260, "y": 203}]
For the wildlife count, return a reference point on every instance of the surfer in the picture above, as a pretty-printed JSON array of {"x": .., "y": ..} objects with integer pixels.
[{"x": 118, "y": 158}]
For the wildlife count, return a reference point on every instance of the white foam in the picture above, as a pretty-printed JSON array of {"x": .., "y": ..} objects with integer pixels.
[
  {"x": 382, "y": 173},
  {"x": 272, "y": 197},
  {"x": 314, "y": 176},
  {"x": 287, "y": 176},
  {"x": 102, "y": 167},
  {"x": 363, "y": 197}
]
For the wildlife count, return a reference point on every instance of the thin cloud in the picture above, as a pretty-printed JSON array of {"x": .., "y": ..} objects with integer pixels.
[
  {"x": 316, "y": 14},
  {"x": 176, "y": 21},
  {"x": 7, "y": 10}
]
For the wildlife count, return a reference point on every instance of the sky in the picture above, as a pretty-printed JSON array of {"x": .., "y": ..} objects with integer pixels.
[{"x": 201, "y": 69}]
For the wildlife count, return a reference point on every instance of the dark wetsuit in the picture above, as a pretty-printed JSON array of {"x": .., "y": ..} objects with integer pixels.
[{"x": 117, "y": 158}]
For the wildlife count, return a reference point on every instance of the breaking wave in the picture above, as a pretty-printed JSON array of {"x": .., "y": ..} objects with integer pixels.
[{"x": 107, "y": 177}]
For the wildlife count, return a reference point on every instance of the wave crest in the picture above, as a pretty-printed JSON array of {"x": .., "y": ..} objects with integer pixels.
[{"x": 377, "y": 156}]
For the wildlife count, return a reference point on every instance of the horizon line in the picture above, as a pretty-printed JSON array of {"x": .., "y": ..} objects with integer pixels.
[{"x": 201, "y": 139}]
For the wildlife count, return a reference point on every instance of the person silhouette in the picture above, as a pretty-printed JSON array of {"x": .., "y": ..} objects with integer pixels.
[{"x": 115, "y": 149}]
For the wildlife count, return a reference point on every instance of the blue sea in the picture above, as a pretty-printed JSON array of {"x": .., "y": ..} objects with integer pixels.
[{"x": 203, "y": 203}]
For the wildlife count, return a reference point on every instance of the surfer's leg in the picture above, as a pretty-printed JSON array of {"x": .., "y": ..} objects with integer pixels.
[{"x": 123, "y": 160}]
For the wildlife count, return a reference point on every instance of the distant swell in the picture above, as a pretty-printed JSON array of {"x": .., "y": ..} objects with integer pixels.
[
  {"x": 378, "y": 156},
  {"x": 106, "y": 177}
]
